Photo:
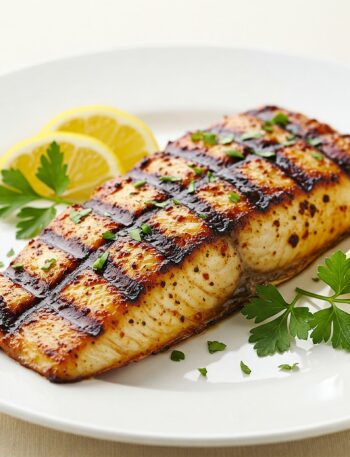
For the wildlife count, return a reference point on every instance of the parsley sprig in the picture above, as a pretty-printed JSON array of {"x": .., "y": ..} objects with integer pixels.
[
  {"x": 286, "y": 321},
  {"x": 16, "y": 193}
]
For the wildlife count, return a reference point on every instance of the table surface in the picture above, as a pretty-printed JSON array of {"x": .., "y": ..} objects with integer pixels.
[{"x": 36, "y": 31}]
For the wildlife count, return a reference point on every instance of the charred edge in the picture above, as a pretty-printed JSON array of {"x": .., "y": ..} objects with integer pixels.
[
  {"x": 117, "y": 214},
  {"x": 337, "y": 155},
  {"x": 305, "y": 180},
  {"x": 77, "y": 317},
  {"x": 72, "y": 246},
  {"x": 249, "y": 145},
  {"x": 32, "y": 284},
  {"x": 311, "y": 128},
  {"x": 7, "y": 318}
]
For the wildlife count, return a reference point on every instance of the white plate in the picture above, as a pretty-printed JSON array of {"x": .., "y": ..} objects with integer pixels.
[{"x": 158, "y": 401}]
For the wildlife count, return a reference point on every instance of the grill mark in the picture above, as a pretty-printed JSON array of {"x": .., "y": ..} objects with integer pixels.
[
  {"x": 196, "y": 155},
  {"x": 303, "y": 178},
  {"x": 72, "y": 246},
  {"x": 77, "y": 317},
  {"x": 335, "y": 153},
  {"x": 7, "y": 317},
  {"x": 30, "y": 283},
  {"x": 130, "y": 288}
]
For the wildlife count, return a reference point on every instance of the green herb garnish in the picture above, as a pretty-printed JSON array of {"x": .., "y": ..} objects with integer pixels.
[
  {"x": 215, "y": 346},
  {"x": 146, "y": 229},
  {"x": 210, "y": 176},
  {"x": 289, "y": 322},
  {"x": 234, "y": 153},
  {"x": 280, "y": 119},
  {"x": 314, "y": 141},
  {"x": 16, "y": 191},
  {"x": 208, "y": 138},
  {"x": 18, "y": 266},
  {"x": 287, "y": 367},
  {"x": 177, "y": 356},
  {"x": 78, "y": 216},
  {"x": 234, "y": 197},
  {"x": 109, "y": 235},
  {"x": 227, "y": 138},
  {"x": 317, "y": 155},
  {"x": 135, "y": 234},
  {"x": 158, "y": 204},
  {"x": 203, "y": 372},
  {"x": 191, "y": 187},
  {"x": 176, "y": 202},
  {"x": 139, "y": 184},
  {"x": 266, "y": 154},
  {"x": 10, "y": 253},
  {"x": 100, "y": 261},
  {"x": 107, "y": 214},
  {"x": 251, "y": 136},
  {"x": 33, "y": 220},
  {"x": 169, "y": 179},
  {"x": 245, "y": 369},
  {"x": 199, "y": 171},
  {"x": 48, "y": 264},
  {"x": 2, "y": 264}
]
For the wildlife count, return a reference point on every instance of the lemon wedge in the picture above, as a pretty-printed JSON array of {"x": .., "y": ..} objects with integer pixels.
[
  {"x": 128, "y": 136},
  {"x": 90, "y": 162}
]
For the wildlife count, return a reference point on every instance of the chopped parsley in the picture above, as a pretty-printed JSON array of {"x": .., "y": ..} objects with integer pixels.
[
  {"x": 287, "y": 367},
  {"x": 158, "y": 204},
  {"x": 245, "y": 369},
  {"x": 210, "y": 176},
  {"x": 135, "y": 234},
  {"x": 314, "y": 141},
  {"x": 227, "y": 139},
  {"x": 264, "y": 153},
  {"x": 208, "y": 138},
  {"x": 251, "y": 136},
  {"x": 234, "y": 197},
  {"x": 107, "y": 214},
  {"x": 78, "y": 216},
  {"x": 280, "y": 119},
  {"x": 177, "y": 356},
  {"x": 139, "y": 184},
  {"x": 202, "y": 216},
  {"x": 18, "y": 266},
  {"x": 109, "y": 235},
  {"x": 234, "y": 153},
  {"x": 203, "y": 372},
  {"x": 48, "y": 264},
  {"x": 2, "y": 264},
  {"x": 11, "y": 253},
  {"x": 100, "y": 261},
  {"x": 215, "y": 346},
  {"x": 169, "y": 179},
  {"x": 199, "y": 171},
  {"x": 176, "y": 202},
  {"x": 146, "y": 229},
  {"x": 317, "y": 155},
  {"x": 191, "y": 187}
]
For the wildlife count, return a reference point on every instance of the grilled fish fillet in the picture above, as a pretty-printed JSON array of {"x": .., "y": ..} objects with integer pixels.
[{"x": 248, "y": 201}]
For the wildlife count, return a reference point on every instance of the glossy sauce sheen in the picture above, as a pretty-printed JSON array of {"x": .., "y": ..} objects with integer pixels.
[{"x": 215, "y": 225}]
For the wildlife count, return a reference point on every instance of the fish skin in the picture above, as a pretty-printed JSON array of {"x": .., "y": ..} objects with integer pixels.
[{"x": 200, "y": 256}]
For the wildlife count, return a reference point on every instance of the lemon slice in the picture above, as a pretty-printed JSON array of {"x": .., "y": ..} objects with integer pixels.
[
  {"x": 128, "y": 136},
  {"x": 90, "y": 162}
]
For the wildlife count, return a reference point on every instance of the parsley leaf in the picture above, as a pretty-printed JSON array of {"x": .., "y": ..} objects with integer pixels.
[
  {"x": 215, "y": 346},
  {"x": 78, "y": 216},
  {"x": 234, "y": 153},
  {"x": 191, "y": 187},
  {"x": 264, "y": 153},
  {"x": 314, "y": 141},
  {"x": 146, "y": 229},
  {"x": 228, "y": 138},
  {"x": 139, "y": 184},
  {"x": 135, "y": 234},
  {"x": 336, "y": 273},
  {"x": 276, "y": 335},
  {"x": 251, "y": 136},
  {"x": 158, "y": 204},
  {"x": 48, "y": 264},
  {"x": 203, "y": 372},
  {"x": 317, "y": 156},
  {"x": 177, "y": 356},
  {"x": 16, "y": 192},
  {"x": 33, "y": 220},
  {"x": 169, "y": 179},
  {"x": 2, "y": 264},
  {"x": 234, "y": 197},
  {"x": 210, "y": 176},
  {"x": 52, "y": 170},
  {"x": 10, "y": 253},
  {"x": 280, "y": 119},
  {"x": 245, "y": 369},
  {"x": 18, "y": 266}
]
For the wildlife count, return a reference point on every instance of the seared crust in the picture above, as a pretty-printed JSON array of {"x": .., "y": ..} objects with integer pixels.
[{"x": 197, "y": 227}]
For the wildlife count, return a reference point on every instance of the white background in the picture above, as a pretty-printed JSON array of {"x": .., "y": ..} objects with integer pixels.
[{"x": 33, "y": 31}]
